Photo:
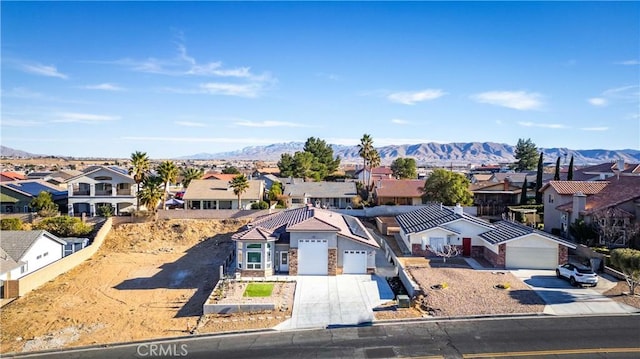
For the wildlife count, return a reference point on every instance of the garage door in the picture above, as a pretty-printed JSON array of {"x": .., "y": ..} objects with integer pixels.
[
  {"x": 531, "y": 258},
  {"x": 313, "y": 257},
  {"x": 354, "y": 262}
]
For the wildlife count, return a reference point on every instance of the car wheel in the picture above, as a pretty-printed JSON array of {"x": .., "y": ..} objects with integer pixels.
[
  {"x": 572, "y": 281},
  {"x": 558, "y": 274}
]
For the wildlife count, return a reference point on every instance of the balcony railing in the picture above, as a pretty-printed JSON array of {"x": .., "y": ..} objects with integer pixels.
[
  {"x": 103, "y": 193},
  {"x": 124, "y": 192},
  {"x": 81, "y": 192}
]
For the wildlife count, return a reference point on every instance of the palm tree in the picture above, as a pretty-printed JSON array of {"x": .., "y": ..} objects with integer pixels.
[
  {"x": 240, "y": 184},
  {"x": 364, "y": 150},
  {"x": 152, "y": 192},
  {"x": 374, "y": 161},
  {"x": 139, "y": 169},
  {"x": 168, "y": 171},
  {"x": 190, "y": 174}
]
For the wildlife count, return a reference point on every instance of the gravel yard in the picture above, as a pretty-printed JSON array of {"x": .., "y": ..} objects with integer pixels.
[{"x": 471, "y": 292}]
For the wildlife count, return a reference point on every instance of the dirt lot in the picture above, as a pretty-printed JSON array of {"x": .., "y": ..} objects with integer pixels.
[{"x": 148, "y": 280}]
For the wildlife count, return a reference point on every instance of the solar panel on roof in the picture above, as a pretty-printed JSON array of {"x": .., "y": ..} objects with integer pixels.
[
  {"x": 355, "y": 227},
  {"x": 119, "y": 169}
]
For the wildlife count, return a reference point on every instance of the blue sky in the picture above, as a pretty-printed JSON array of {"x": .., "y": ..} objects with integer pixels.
[{"x": 177, "y": 78}]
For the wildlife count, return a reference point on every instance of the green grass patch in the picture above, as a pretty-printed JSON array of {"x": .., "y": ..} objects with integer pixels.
[{"x": 258, "y": 290}]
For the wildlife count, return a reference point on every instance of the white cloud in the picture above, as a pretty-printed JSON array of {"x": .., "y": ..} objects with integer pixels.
[
  {"x": 628, "y": 62},
  {"x": 43, "y": 70},
  {"x": 239, "y": 140},
  {"x": 72, "y": 117},
  {"x": 517, "y": 100},
  {"x": 20, "y": 123},
  {"x": 250, "y": 90},
  {"x": 411, "y": 98},
  {"x": 543, "y": 125},
  {"x": 22, "y": 92},
  {"x": 399, "y": 121},
  {"x": 190, "y": 124},
  {"x": 268, "y": 124},
  {"x": 595, "y": 128},
  {"x": 105, "y": 87},
  {"x": 597, "y": 101}
]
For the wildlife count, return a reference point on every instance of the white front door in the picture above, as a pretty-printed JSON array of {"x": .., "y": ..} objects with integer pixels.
[{"x": 284, "y": 261}]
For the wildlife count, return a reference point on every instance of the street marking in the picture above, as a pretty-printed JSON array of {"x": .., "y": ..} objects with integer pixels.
[{"x": 553, "y": 352}]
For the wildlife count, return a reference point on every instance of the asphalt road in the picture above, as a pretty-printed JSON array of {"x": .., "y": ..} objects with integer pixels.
[{"x": 537, "y": 337}]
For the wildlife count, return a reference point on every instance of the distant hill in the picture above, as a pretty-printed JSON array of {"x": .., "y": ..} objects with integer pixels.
[
  {"x": 430, "y": 153},
  {"x": 10, "y": 152}
]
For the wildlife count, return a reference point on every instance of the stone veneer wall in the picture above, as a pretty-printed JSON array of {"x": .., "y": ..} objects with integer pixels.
[
  {"x": 293, "y": 261},
  {"x": 563, "y": 254},
  {"x": 253, "y": 273},
  {"x": 477, "y": 252},
  {"x": 417, "y": 251},
  {"x": 333, "y": 261},
  {"x": 497, "y": 260}
]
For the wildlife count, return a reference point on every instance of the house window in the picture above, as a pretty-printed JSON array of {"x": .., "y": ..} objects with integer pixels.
[
  {"x": 437, "y": 243},
  {"x": 254, "y": 260},
  {"x": 254, "y": 245},
  {"x": 45, "y": 254},
  {"x": 23, "y": 269},
  {"x": 38, "y": 257},
  {"x": 296, "y": 200},
  {"x": 224, "y": 205},
  {"x": 550, "y": 198}
]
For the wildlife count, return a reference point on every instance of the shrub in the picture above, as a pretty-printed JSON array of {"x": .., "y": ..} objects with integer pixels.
[
  {"x": 11, "y": 224},
  {"x": 260, "y": 205},
  {"x": 628, "y": 260},
  {"x": 106, "y": 210},
  {"x": 64, "y": 226}
]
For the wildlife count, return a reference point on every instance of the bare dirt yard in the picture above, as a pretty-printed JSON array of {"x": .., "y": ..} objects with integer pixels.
[
  {"x": 148, "y": 280},
  {"x": 462, "y": 291},
  {"x": 620, "y": 293}
]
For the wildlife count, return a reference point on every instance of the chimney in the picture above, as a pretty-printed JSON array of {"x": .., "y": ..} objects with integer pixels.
[
  {"x": 620, "y": 167},
  {"x": 579, "y": 205},
  {"x": 506, "y": 184},
  {"x": 458, "y": 209}
]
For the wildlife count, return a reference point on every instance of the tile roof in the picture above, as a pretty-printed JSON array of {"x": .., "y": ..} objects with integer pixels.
[
  {"x": 16, "y": 243},
  {"x": 617, "y": 191},
  {"x": 381, "y": 171},
  {"x": 399, "y": 188},
  {"x": 432, "y": 216},
  {"x": 13, "y": 175},
  {"x": 308, "y": 219},
  {"x": 321, "y": 189},
  {"x": 593, "y": 172},
  {"x": 505, "y": 231},
  {"x": 220, "y": 190},
  {"x": 573, "y": 187},
  {"x": 221, "y": 176}
]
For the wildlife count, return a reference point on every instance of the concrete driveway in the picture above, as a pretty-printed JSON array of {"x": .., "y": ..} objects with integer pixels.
[
  {"x": 563, "y": 299},
  {"x": 321, "y": 301}
]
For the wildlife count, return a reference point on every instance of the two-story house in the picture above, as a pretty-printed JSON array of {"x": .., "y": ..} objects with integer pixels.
[{"x": 101, "y": 186}]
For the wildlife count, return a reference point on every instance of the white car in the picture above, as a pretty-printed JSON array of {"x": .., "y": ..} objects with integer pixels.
[{"x": 577, "y": 274}]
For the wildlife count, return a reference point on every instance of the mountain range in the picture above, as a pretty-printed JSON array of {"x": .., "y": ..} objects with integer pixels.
[
  {"x": 423, "y": 153},
  {"x": 431, "y": 153}
]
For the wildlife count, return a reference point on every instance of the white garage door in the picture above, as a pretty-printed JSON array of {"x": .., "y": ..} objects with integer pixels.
[
  {"x": 531, "y": 258},
  {"x": 313, "y": 257},
  {"x": 354, "y": 262}
]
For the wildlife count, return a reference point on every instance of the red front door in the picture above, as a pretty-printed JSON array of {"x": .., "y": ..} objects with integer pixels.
[{"x": 466, "y": 247}]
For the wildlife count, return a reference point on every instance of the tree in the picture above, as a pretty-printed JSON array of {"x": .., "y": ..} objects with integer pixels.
[
  {"x": 240, "y": 184},
  {"x": 105, "y": 210},
  {"x": 139, "y": 169},
  {"x": 275, "y": 191},
  {"x": 190, "y": 174},
  {"x": 583, "y": 232},
  {"x": 448, "y": 188},
  {"x": 365, "y": 149},
  {"x": 323, "y": 163},
  {"x": 315, "y": 161},
  {"x": 614, "y": 226},
  {"x": 539, "y": 179},
  {"x": 231, "y": 170},
  {"x": 523, "y": 194},
  {"x": 556, "y": 176},
  {"x": 570, "y": 171},
  {"x": 152, "y": 192},
  {"x": 168, "y": 171},
  {"x": 445, "y": 251},
  {"x": 374, "y": 161},
  {"x": 628, "y": 261},
  {"x": 44, "y": 205},
  {"x": 526, "y": 153},
  {"x": 404, "y": 168},
  {"x": 10, "y": 224},
  {"x": 64, "y": 226}
]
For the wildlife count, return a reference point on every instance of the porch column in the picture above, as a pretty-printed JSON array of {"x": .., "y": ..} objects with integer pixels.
[
  {"x": 114, "y": 190},
  {"x": 92, "y": 207},
  {"x": 70, "y": 210},
  {"x": 92, "y": 190}
]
